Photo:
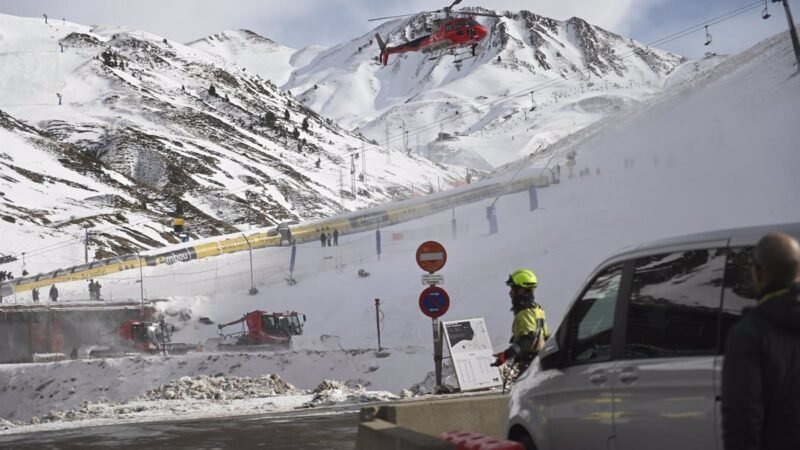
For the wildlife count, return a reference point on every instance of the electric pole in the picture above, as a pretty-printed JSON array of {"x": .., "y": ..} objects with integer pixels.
[
  {"x": 406, "y": 148},
  {"x": 364, "y": 164},
  {"x": 353, "y": 172},
  {"x": 86, "y": 245},
  {"x": 792, "y": 31},
  {"x": 341, "y": 186},
  {"x": 388, "y": 157}
]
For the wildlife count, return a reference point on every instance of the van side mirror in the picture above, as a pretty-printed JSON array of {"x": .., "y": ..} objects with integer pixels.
[
  {"x": 551, "y": 360},
  {"x": 550, "y": 356}
]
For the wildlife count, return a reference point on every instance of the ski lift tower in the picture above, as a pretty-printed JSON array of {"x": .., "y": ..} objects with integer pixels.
[{"x": 792, "y": 30}]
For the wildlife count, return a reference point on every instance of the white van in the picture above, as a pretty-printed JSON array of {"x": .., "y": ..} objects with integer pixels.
[{"x": 636, "y": 363}]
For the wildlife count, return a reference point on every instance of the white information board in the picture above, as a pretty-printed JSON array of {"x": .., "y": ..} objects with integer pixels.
[{"x": 471, "y": 352}]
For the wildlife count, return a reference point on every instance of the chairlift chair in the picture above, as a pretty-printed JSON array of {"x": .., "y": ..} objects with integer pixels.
[
  {"x": 708, "y": 36},
  {"x": 765, "y": 13}
]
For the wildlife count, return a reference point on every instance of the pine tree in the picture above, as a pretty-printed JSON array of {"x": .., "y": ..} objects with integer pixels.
[
  {"x": 286, "y": 115},
  {"x": 305, "y": 123},
  {"x": 212, "y": 91}
]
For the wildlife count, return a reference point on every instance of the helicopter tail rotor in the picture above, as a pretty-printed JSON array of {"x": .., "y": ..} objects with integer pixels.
[{"x": 382, "y": 45}]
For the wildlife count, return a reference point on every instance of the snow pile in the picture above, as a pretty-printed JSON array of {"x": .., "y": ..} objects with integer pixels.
[
  {"x": 428, "y": 385},
  {"x": 206, "y": 387},
  {"x": 6, "y": 425},
  {"x": 331, "y": 392},
  {"x": 88, "y": 410},
  {"x": 205, "y": 396}
]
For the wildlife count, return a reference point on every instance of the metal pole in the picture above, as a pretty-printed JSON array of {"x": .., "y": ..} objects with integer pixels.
[
  {"x": 792, "y": 31},
  {"x": 437, "y": 354},
  {"x": 378, "y": 320},
  {"x": 86, "y": 246},
  {"x": 453, "y": 222},
  {"x": 253, "y": 290},
  {"x": 378, "y": 242},
  {"x": 141, "y": 282}
]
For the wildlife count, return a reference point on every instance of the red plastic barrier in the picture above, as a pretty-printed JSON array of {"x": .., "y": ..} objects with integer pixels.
[{"x": 465, "y": 440}]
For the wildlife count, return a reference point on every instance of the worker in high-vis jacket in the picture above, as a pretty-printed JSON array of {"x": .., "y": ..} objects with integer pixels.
[{"x": 529, "y": 329}]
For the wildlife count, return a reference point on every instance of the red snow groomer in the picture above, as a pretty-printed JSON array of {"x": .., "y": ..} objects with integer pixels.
[
  {"x": 136, "y": 336},
  {"x": 263, "y": 330}
]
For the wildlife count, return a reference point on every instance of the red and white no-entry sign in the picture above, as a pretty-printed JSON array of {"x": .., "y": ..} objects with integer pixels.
[{"x": 431, "y": 256}]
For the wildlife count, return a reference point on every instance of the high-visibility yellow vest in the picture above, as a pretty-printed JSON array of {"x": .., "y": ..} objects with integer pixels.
[{"x": 530, "y": 321}]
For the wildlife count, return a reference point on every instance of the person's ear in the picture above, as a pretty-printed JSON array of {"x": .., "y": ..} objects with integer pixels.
[{"x": 757, "y": 274}]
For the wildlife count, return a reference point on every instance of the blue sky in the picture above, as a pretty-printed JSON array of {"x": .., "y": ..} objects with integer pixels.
[{"x": 298, "y": 23}]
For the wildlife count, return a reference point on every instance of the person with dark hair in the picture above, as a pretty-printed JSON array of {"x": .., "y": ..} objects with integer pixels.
[
  {"x": 35, "y": 295},
  {"x": 53, "y": 293},
  {"x": 323, "y": 238},
  {"x": 761, "y": 370},
  {"x": 335, "y": 237}
]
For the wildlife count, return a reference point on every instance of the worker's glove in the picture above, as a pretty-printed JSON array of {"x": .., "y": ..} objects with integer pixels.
[{"x": 500, "y": 359}]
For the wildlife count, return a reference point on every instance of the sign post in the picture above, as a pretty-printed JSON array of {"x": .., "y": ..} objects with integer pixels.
[
  {"x": 378, "y": 242},
  {"x": 434, "y": 301},
  {"x": 292, "y": 258}
]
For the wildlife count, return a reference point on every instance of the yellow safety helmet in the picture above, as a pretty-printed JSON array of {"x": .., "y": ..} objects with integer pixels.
[{"x": 524, "y": 278}]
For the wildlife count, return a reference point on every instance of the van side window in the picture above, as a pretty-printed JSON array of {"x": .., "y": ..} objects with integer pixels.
[
  {"x": 674, "y": 305},
  {"x": 739, "y": 292},
  {"x": 591, "y": 320}
]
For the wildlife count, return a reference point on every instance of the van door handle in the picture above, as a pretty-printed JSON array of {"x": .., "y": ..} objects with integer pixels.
[
  {"x": 629, "y": 375},
  {"x": 598, "y": 377}
]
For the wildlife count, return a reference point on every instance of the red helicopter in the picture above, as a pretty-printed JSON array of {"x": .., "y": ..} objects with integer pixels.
[{"x": 449, "y": 34}]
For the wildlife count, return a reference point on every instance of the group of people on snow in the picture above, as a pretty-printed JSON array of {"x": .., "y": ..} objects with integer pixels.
[
  {"x": 94, "y": 290},
  {"x": 331, "y": 239}
]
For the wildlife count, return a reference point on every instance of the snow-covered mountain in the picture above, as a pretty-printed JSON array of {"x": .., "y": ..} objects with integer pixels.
[
  {"x": 534, "y": 80},
  {"x": 256, "y": 53},
  {"x": 156, "y": 123}
]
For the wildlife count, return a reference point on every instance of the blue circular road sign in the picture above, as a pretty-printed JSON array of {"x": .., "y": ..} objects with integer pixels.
[{"x": 434, "y": 302}]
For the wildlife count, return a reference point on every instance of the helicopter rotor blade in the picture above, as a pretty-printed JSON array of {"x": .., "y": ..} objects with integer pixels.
[
  {"x": 479, "y": 14},
  {"x": 393, "y": 17}
]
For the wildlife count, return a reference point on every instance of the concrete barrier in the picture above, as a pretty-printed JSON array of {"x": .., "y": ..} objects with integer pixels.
[
  {"x": 388, "y": 425},
  {"x": 378, "y": 434}
]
